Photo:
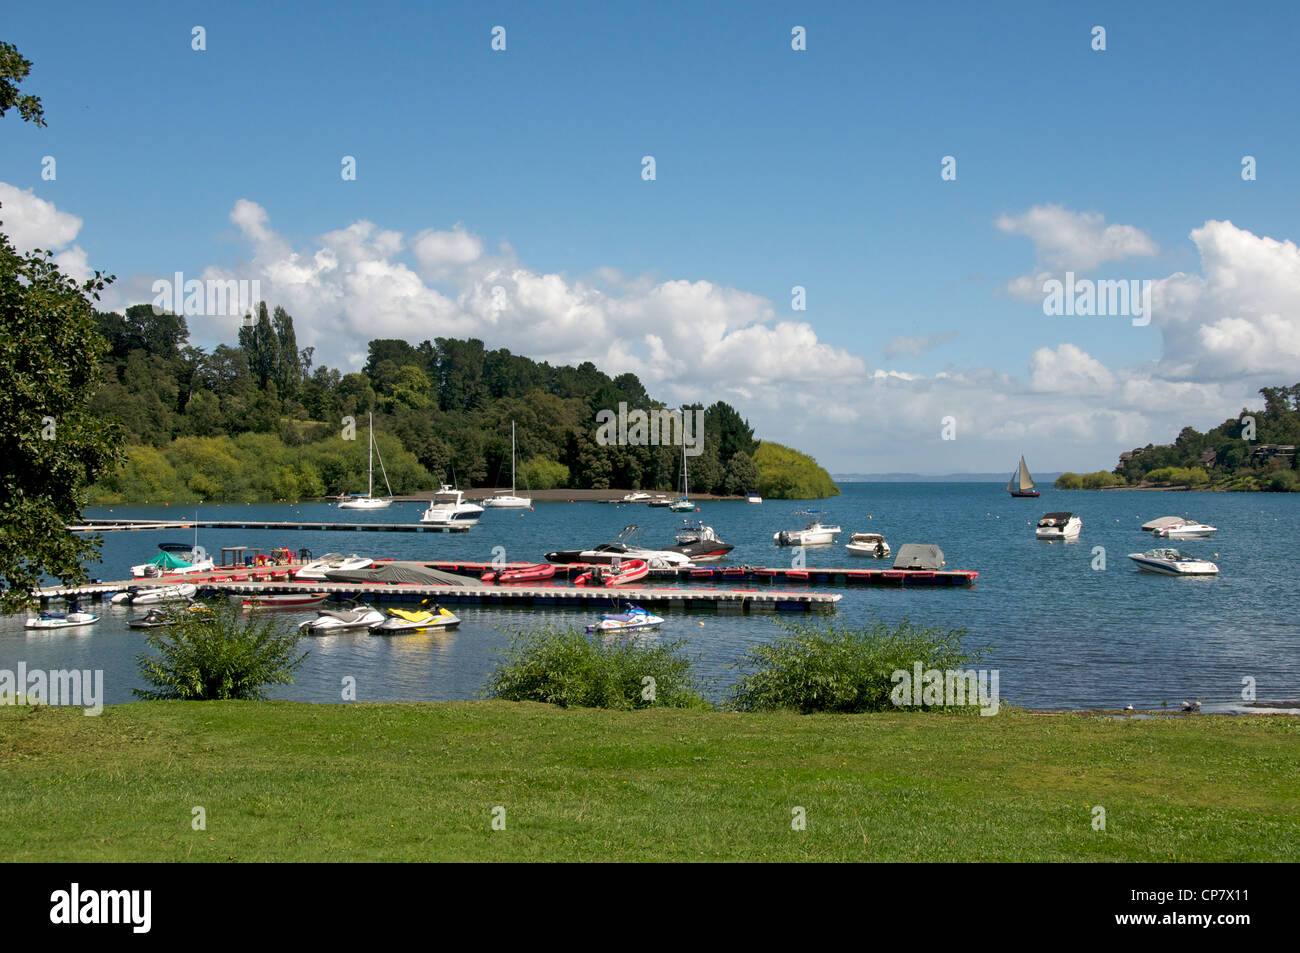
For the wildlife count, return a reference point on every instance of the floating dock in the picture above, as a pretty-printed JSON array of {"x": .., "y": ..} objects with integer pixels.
[
  {"x": 109, "y": 526},
  {"x": 731, "y": 575}
]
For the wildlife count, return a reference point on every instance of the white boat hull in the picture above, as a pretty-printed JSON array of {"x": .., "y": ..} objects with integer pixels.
[
  {"x": 363, "y": 503},
  {"x": 71, "y": 621},
  {"x": 1191, "y": 531},
  {"x": 507, "y": 503},
  {"x": 1174, "y": 567}
]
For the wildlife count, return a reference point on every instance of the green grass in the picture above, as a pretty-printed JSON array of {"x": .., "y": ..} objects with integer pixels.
[{"x": 292, "y": 781}]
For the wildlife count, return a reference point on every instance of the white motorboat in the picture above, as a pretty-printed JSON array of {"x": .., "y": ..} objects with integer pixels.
[
  {"x": 868, "y": 544},
  {"x": 1162, "y": 522},
  {"x": 176, "y": 559},
  {"x": 700, "y": 542},
  {"x": 814, "y": 533},
  {"x": 60, "y": 620},
  {"x": 753, "y": 497},
  {"x": 360, "y": 616},
  {"x": 509, "y": 500},
  {"x": 449, "y": 509},
  {"x": 151, "y": 595},
  {"x": 619, "y": 550},
  {"x": 1171, "y": 562},
  {"x": 370, "y": 501},
  {"x": 637, "y": 497},
  {"x": 1186, "y": 530},
  {"x": 333, "y": 562},
  {"x": 1059, "y": 526}
]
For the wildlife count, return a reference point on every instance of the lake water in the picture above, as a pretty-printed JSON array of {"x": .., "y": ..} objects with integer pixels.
[{"x": 1064, "y": 635}]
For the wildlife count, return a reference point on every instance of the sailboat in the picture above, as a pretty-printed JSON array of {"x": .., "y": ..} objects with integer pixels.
[
  {"x": 509, "y": 500},
  {"x": 683, "y": 505},
  {"x": 1021, "y": 483},
  {"x": 370, "y": 501}
]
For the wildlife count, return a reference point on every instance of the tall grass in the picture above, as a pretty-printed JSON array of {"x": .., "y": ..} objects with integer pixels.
[
  {"x": 830, "y": 668},
  {"x": 573, "y": 669}
]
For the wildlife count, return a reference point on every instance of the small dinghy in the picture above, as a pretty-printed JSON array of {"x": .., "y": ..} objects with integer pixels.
[
  {"x": 413, "y": 620},
  {"x": 618, "y": 575},
  {"x": 150, "y": 595},
  {"x": 360, "y": 616},
  {"x": 61, "y": 620},
  {"x": 522, "y": 574},
  {"x": 634, "y": 618}
]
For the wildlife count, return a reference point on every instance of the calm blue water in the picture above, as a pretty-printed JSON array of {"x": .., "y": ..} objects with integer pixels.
[{"x": 1064, "y": 634}]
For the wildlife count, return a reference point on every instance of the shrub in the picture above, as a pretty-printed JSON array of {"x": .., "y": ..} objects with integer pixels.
[
  {"x": 218, "y": 654},
  {"x": 1069, "y": 481},
  {"x": 1095, "y": 481},
  {"x": 572, "y": 669},
  {"x": 1283, "y": 481},
  {"x": 832, "y": 668}
]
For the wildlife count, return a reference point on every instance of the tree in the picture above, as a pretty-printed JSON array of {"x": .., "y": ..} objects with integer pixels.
[
  {"x": 52, "y": 444},
  {"x": 13, "y": 70},
  {"x": 742, "y": 474}
]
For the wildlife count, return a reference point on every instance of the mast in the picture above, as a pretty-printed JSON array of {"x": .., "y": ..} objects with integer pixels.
[
  {"x": 370, "y": 480},
  {"x": 686, "y": 480},
  {"x": 512, "y": 458}
]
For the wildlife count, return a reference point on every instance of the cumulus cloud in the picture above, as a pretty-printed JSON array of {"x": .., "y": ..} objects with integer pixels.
[
  {"x": 31, "y": 222},
  {"x": 1065, "y": 240}
]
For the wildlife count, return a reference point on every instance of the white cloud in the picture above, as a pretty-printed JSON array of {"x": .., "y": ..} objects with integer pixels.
[
  {"x": 1068, "y": 370},
  {"x": 31, "y": 223},
  {"x": 1070, "y": 241}
]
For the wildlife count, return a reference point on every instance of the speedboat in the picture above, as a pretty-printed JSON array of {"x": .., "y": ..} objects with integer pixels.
[
  {"x": 1059, "y": 526},
  {"x": 176, "y": 559},
  {"x": 1171, "y": 562},
  {"x": 1186, "y": 530},
  {"x": 700, "y": 543},
  {"x": 413, "y": 620},
  {"x": 359, "y": 616},
  {"x": 814, "y": 533},
  {"x": 637, "y": 497},
  {"x": 753, "y": 497},
  {"x": 149, "y": 595},
  {"x": 449, "y": 509},
  {"x": 619, "y": 549},
  {"x": 332, "y": 562},
  {"x": 61, "y": 620},
  {"x": 370, "y": 501},
  {"x": 1163, "y": 522},
  {"x": 509, "y": 500},
  {"x": 868, "y": 544},
  {"x": 634, "y": 618}
]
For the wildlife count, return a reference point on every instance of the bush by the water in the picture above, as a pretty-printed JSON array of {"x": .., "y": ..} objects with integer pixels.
[
  {"x": 572, "y": 669},
  {"x": 829, "y": 668},
  {"x": 218, "y": 653}
]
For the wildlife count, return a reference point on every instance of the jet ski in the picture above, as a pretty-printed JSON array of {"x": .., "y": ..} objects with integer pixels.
[
  {"x": 634, "y": 618},
  {"x": 360, "y": 616},
  {"x": 413, "y": 620},
  {"x": 153, "y": 619}
]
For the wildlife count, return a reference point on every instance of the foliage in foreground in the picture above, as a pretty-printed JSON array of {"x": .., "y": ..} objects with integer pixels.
[
  {"x": 220, "y": 654},
  {"x": 829, "y": 668},
  {"x": 572, "y": 669}
]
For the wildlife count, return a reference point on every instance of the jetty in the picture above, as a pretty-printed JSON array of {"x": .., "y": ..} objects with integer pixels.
[{"x": 110, "y": 526}]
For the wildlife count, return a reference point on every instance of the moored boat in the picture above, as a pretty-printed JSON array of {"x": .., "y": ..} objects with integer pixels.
[
  {"x": 509, "y": 500},
  {"x": 282, "y": 600},
  {"x": 699, "y": 543},
  {"x": 359, "y": 616},
  {"x": 449, "y": 509},
  {"x": 332, "y": 562},
  {"x": 634, "y": 618},
  {"x": 814, "y": 533},
  {"x": 1058, "y": 526},
  {"x": 1172, "y": 562},
  {"x": 535, "y": 573},
  {"x": 618, "y": 549},
  {"x": 1185, "y": 530},
  {"x": 619, "y": 574},
  {"x": 414, "y": 620},
  {"x": 370, "y": 501},
  {"x": 868, "y": 544},
  {"x": 150, "y": 595},
  {"x": 71, "y": 619}
]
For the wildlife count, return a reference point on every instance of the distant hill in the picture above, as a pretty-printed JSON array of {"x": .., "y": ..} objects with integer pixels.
[{"x": 1043, "y": 479}]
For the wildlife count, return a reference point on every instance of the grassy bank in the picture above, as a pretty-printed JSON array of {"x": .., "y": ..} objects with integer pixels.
[{"x": 292, "y": 781}]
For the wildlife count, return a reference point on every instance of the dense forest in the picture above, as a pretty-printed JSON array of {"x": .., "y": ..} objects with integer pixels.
[
  {"x": 255, "y": 420},
  {"x": 1252, "y": 451}
]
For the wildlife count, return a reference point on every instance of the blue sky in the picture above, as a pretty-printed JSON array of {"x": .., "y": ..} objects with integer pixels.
[{"x": 775, "y": 168}]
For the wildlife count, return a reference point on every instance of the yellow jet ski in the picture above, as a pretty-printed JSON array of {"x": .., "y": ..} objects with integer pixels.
[{"x": 412, "y": 620}]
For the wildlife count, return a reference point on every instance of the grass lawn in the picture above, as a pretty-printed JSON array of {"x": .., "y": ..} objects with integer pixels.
[{"x": 293, "y": 781}]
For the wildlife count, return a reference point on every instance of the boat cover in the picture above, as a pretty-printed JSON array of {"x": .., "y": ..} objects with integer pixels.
[
  {"x": 398, "y": 572},
  {"x": 1164, "y": 522},
  {"x": 919, "y": 556},
  {"x": 1062, "y": 517},
  {"x": 166, "y": 560}
]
